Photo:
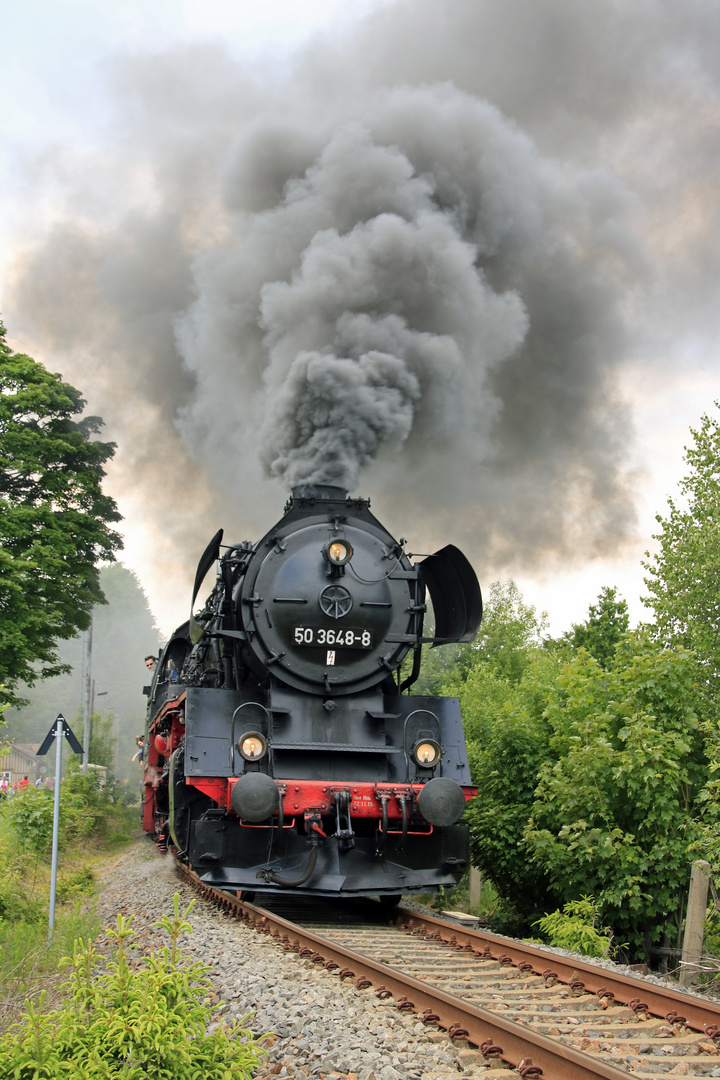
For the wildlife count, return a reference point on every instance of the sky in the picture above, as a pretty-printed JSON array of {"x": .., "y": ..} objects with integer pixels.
[{"x": 461, "y": 258}]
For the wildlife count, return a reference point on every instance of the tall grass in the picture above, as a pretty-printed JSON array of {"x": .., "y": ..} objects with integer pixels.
[{"x": 28, "y": 961}]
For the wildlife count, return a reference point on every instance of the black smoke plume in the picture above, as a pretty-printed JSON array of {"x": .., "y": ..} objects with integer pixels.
[{"x": 416, "y": 262}]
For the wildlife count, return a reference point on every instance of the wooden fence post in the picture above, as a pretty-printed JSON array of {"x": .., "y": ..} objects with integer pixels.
[
  {"x": 695, "y": 921},
  {"x": 475, "y": 886}
]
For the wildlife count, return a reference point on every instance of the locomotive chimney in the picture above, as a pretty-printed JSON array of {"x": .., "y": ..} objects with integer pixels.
[{"x": 326, "y": 492}]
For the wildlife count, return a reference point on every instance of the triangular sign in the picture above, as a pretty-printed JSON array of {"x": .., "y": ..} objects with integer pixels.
[{"x": 67, "y": 732}]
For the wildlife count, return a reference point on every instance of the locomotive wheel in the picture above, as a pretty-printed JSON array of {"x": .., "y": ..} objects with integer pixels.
[
  {"x": 245, "y": 895},
  {"x": 390, "y": 900}
]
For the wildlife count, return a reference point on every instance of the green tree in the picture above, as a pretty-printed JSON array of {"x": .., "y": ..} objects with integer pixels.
[
  {"x": 123, "y": 633},
  {"x": 604, "y": 628},
  {"x": 508, "y": 742},
  {"x": 614, "y": 815},
  {"x": 54, "y": 518},
  {"x": 504, "y": 682},
  {"x": 684, "y": 575},
  {"x": 102, "y": 742},
  {"x": 510, "y": 633}
]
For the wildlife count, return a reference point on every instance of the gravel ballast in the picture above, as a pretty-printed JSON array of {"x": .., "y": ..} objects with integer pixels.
[
  {"x": 318, "y": 1025},
  {"x": 322, "y": 1026}
]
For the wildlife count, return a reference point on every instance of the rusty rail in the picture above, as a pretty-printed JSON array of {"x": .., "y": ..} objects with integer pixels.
[
  {"x": 531, "y": 1053},
  {"x": 658, "y": 1000}
]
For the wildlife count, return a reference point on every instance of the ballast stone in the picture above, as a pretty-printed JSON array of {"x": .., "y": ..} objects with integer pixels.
[{"x": 322, "y": 1025}]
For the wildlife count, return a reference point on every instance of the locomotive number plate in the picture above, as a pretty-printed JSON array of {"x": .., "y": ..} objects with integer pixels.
[{"x": 321, "y": 636}]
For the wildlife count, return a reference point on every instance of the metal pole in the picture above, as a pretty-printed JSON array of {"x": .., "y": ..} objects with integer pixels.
[
  {"x": 88, "y": 699},
  {"x": 59, "y": 735}
]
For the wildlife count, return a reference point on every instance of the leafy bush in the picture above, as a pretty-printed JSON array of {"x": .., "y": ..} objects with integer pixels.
[
  {"x": 145, "y": 1021},
  {"x": 16, "y": 900},
  {"x": 616, "y": 813},
  {"x": 25, "y": 956},
  {"x": 507, "y": 746},
  {"x": 30, "y": 813},
  {"x": 85, "y": 806},
  {"x": 575, "y": 928},
  {"x": 86, "y": 809},
  {"x": 76, "y": 884}
]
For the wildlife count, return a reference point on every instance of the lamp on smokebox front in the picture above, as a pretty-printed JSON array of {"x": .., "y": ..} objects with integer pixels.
[
  {"x": 338, "y": 551},
  {"x": 252, "y": 746},
  {"x": 426, "y": 753}
]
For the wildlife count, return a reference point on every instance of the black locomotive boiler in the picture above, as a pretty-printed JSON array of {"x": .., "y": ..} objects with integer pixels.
[{"x": 283, "y": 751}]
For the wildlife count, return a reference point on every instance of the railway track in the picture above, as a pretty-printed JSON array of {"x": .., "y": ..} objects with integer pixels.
[{"x": 529, "y": 1010}]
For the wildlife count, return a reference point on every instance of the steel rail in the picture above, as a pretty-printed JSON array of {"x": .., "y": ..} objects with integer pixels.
[
  {"x": 659, "y": 1000},
  {"x": 524, "y": 1049}
]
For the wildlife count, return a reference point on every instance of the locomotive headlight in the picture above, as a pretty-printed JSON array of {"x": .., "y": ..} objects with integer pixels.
[
  {"x": 426, "y": 753},
  {"x": 338, "y": 552},
  {"x": 252, "y": 746}
]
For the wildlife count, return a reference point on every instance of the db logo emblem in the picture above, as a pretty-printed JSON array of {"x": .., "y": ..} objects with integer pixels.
[{"x": 330, "y": 657}]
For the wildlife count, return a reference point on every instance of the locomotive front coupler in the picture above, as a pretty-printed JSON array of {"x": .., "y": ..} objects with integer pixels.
[
  {"x": 382, "y": 831},
  {"x": 343, "y": 832}
]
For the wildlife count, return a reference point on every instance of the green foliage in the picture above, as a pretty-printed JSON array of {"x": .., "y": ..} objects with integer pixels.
[
  {"x": 503, "y": 689},
  {"x": 707, "y": 842},
  {"x": 439, "y": 665},
  {"x": 606, "y": 624},
  {"x": 101, "y": 750},
  {"x": 25, "y": 955},
  {"x": 133, "y": 1022},
  {"x": 16, "y": 900},
  {"x": 54, "y": 518},
  {"x": 591, "y": 771},
  {"x": 492, "y": 910},
  {"x": 24, "y": 952},
  {"x": 510, "y": 634},
  {"x": 30, "y": 813},
  {"x": 684, "y": 573},
  {"x": 123, "y": 633},
  {"x": 510, "y": 630},
  {"x": 85, "y": 810},
  {"x": 85, "y": 806},
  {"x": 615, "y": 812},
  {"x": 508, "y": 743},
  {"x": 440, "y": 899},
  {"x": 75, "y": 885},
  {"x": 711, "y": 939},
  {"x": 576, "y": 928}
]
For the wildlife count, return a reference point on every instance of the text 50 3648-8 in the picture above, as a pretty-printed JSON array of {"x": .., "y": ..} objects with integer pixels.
[{"x": 321, "y": 636}]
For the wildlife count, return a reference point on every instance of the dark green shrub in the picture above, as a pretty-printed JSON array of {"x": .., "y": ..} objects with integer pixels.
[
  {"x": 30, "y": 813},
  {"x": 76, "y": 884}
]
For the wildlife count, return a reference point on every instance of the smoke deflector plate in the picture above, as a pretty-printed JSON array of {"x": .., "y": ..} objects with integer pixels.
[{"x": 455, "y": 595}]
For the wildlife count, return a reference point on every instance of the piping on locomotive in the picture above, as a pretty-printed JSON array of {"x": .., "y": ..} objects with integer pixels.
[{"x": 283, "y": 751}]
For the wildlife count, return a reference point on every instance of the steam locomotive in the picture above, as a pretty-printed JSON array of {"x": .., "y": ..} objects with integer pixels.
[{"x": 282, "y": 752}]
